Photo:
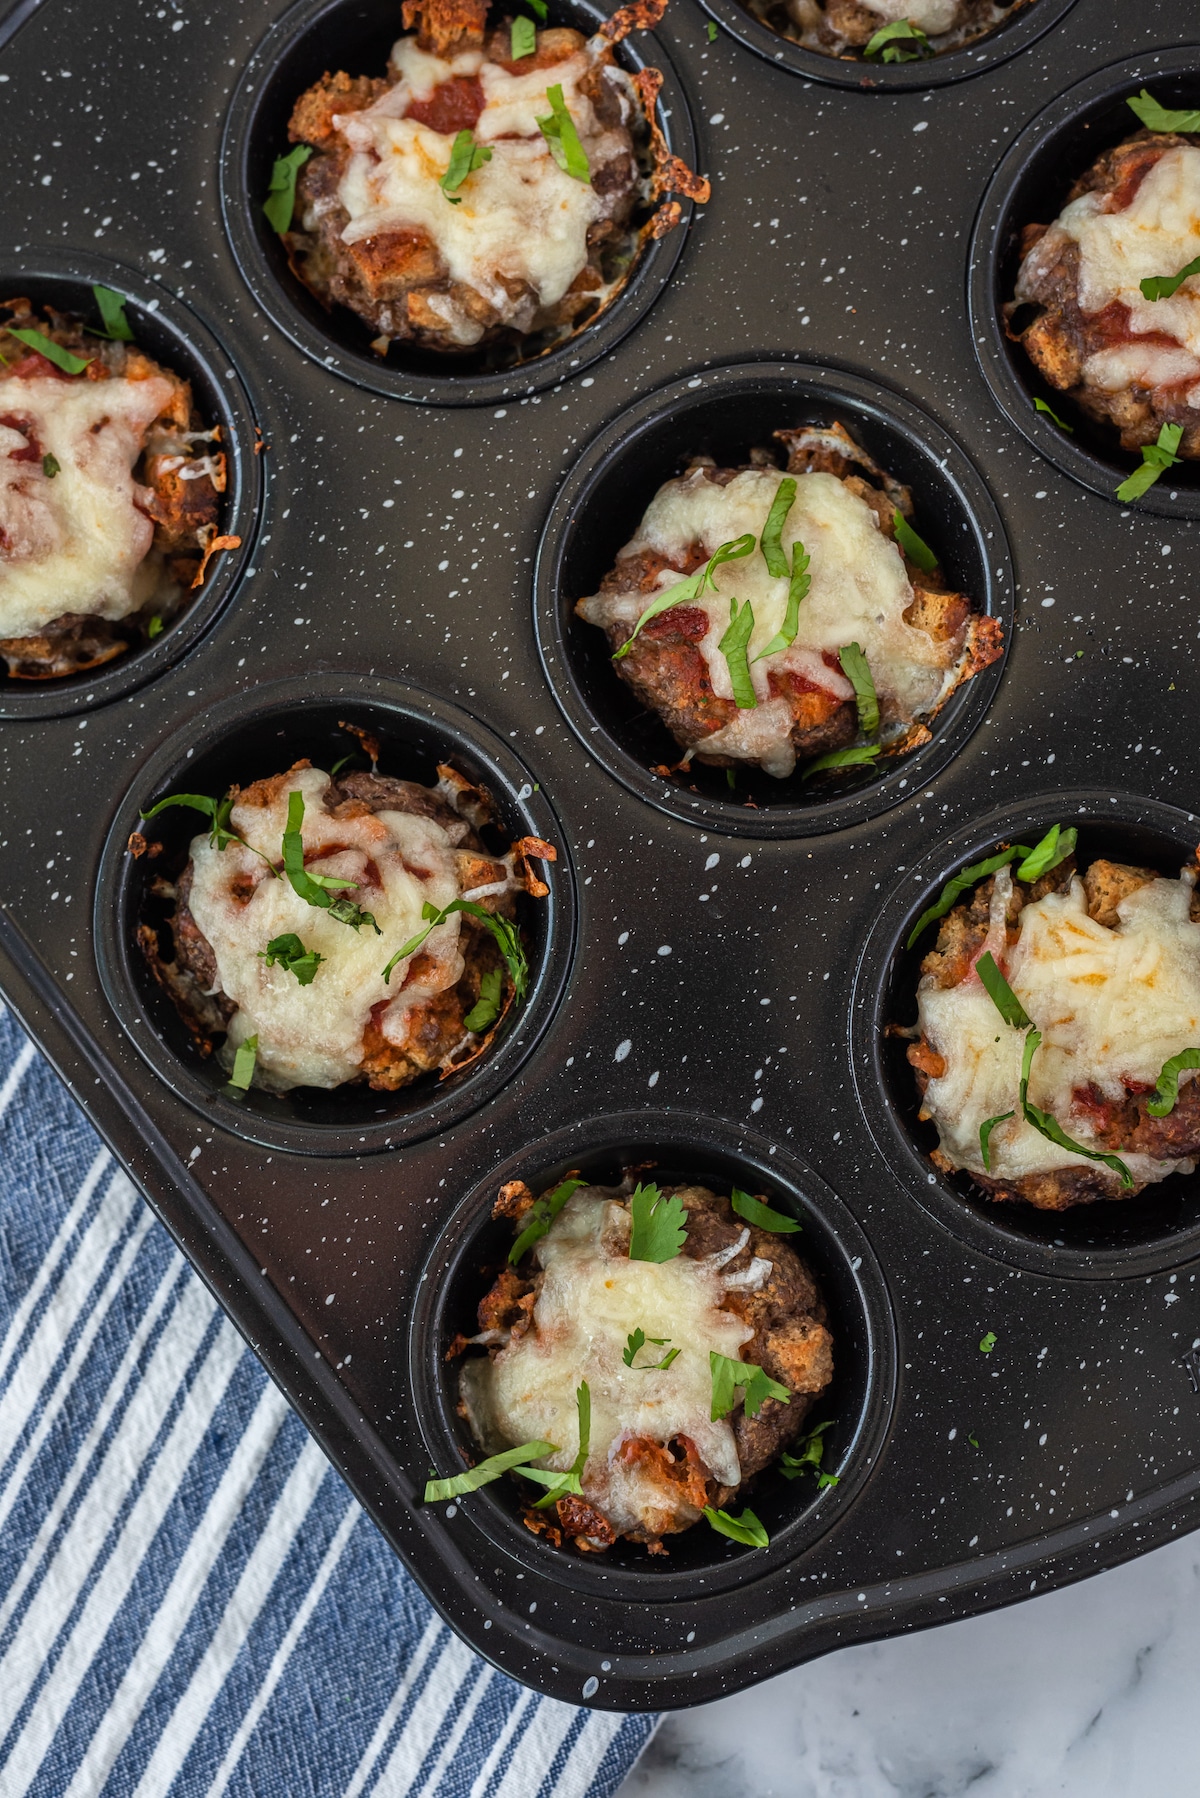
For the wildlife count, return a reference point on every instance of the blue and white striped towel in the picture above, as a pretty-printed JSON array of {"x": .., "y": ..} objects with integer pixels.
[{"x": 190, "y": 1600}]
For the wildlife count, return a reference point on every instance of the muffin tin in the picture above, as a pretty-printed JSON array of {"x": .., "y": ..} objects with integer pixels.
[{"x": 710, "y": 974}]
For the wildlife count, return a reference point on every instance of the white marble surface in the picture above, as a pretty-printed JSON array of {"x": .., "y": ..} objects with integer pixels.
[{"x": 1086, "y": 1693}]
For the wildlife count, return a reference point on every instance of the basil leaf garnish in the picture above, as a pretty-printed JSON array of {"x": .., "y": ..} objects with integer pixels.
[
  {"x": 562, "y": 138},
  {"x": 1160, "y": 118},
  {"x": 733, "y": 646},
  {"x": 280, "y": 202},
  {"x": 1167, "y": 1090},
  {"x": 1156, "y": 459},
  {"x": 70, "y": 363},
  {"x": 466, "y": 155},
  {"x": 914, "y": 547},
  {"x": 771, "y": 542},
  {"x": 797, "y": 590},
  {"x": 857, "y": 672}
]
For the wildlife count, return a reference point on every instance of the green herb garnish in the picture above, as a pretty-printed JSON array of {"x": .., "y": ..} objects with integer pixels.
[
  {"x": 280, "y": 202},
  {"x": 754, "y": 1211},
  {"x": 1156, "y": 459},
  {"x": 539, "y": 7},
  {"x": 797, "y": 590},
  {"x": 659, "y": 1224},
  {"x": 1054, "y": 848},
  {"x": 542, "y": 1215},
  {"x": 891, "y": 39},
  {"x": 1161, "y": 287},
  {"x": 683, "y": 592},
  {"x": 807, "y": 1459},
  {"x": 53, "y": 352},
  {"x": 1156, "y": 117},
  {"x": 290, "y": 954},
  {"x": 1167, "y": 1090},
  {"x": 486, "y": 1009},
  {"x": 858, "y": 673},
  {"x": 486, "y": 1472},
  {"x": 217, "y": 811},
  {"x": 861, "y": 756},
  {"x": 755, "y": 1384},
  {"x": 914, "y": 547},
  {"x": 112, "y": 312},
  {"x": 466, "y": 155},
  {"x": 570, "y": 1481},
  {"x": 51, "y": 466},
  {"x": 524, "y": 38},
  {"x": 563, "y": 139},
  {"x": 733, "y": 646},
  {"x": 1041, "y": 405},
  {"x": 243, "y": 1065},
  {"x": 317, "y": 889},
  {"x": 154, "y": 628},
  {"x": 745, "y": 1529},
  {"x": 508, "y": 939},
  {"x": 1001, "y": 994},
  {"x": 771, "y": 541},
  {"x": 988, "y": 1343},
  {"x": 985, "y": 1136},
  {"x": 711, "y": 29},
  {"x": 638, "y": 1340}
]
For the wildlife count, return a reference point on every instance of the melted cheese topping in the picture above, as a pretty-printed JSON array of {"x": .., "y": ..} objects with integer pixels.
[
  {"x": 930, "y": 16},
  {"x": 1156, "y": 234},
  {"x": 858, "y": 594},
  {"x": 1112, "y": 1006},
  {"x": 592, "y": 1297},
  {"x": 77, "y": 541},
  {"x": 313, "y": 1035},
  {"x": 522, "y": 223}
]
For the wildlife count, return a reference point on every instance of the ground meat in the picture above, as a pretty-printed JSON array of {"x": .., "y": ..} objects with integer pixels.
[
  {"x": 1118, "y": 1128},
  {"x": 1046, "y": 316},
  {"x": 843, "y": 28},
  {"x": 181, "y": 477}
]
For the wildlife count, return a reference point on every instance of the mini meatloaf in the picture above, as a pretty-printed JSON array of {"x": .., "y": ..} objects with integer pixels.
[
  {"x": 920, "y": 640},
  {"x": 844, "y": 28},
  {"x": 566, "y": 1314},
  {"x": 520, "y": 242},
  {"x": 391, "y": 848},
  {"x": 1079, "y": 310},
  {"x": 109, "y": 498},
  {"x": 1107, "y": 966}
]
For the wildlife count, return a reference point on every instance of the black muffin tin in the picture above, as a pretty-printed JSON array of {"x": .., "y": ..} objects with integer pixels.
[{"x": 714, "y": 970}]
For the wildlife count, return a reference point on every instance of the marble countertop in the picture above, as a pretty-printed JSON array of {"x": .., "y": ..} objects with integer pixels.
[{"x": 1085, "y": 1693}]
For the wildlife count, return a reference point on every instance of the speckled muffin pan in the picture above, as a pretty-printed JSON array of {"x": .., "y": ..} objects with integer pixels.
[{"x": 711, "y": 974}]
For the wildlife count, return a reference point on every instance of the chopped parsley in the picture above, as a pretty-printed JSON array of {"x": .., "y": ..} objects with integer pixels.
[
  {"x": 730, "y": 1377},
  {"x": 112, "y": 313},
  {"x": 466, "y": 155},
  {"x": 1156, "y": 459},
  {"x": 892, "y": 39},
  {"x": 70, "y": 363},
  {"x": 798, "y": 587},
  {"x": 771, "y": 541},
  {"x": 1054, "y": 848},
  {"x": 524, "y": 38},
  {"x": 659, "y": 1225},
  {"x": 563, "y": 139},
  {"x": 734, "y": 645},
  {"x": 858, "y": 673},
  {"x": 988, "y": 1343},
  {"x": 317, "y": 889},
  {"x": 637, "y": 1341},
  {"x": 754, "y": 1211},
  {"x": 914, "y": 547},
  {"x": 1161, "y": 287},
  {"x": 280, "y": 202},
  {"x": 985, "y": 1136},
  {"x": 1001, "y": 994},
  {"x": 508, "y": 940},
  {"x": 486, "y": 1472},
  {"x": 683, "y": 592},
  {"x": 1042, "y": 405},
  {"x": 1167, "y": 1090},
  {"x": 807, "y": 1458},
  {"x": 51, "y": 466},
  {"x": 289, "y": 953},
  {"x": 570, "y": 1481},
  {"x": 1156, "y": 117},
  {"x": 862, "y": 755},
  {"x": 542, "y": 1215},
  {"x": 486, "y": 1009},
  {"x": 745, "y": 1529},
  {"x": 243, "y": 1065}
]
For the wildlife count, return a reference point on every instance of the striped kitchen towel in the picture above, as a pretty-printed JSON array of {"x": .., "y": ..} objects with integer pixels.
[{"x": 190, "y": 1600}]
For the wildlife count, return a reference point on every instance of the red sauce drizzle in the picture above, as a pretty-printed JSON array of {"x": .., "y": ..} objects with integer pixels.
[
  {"x": 453, "y": 107},
  {"x": 32, "y": 452}
]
